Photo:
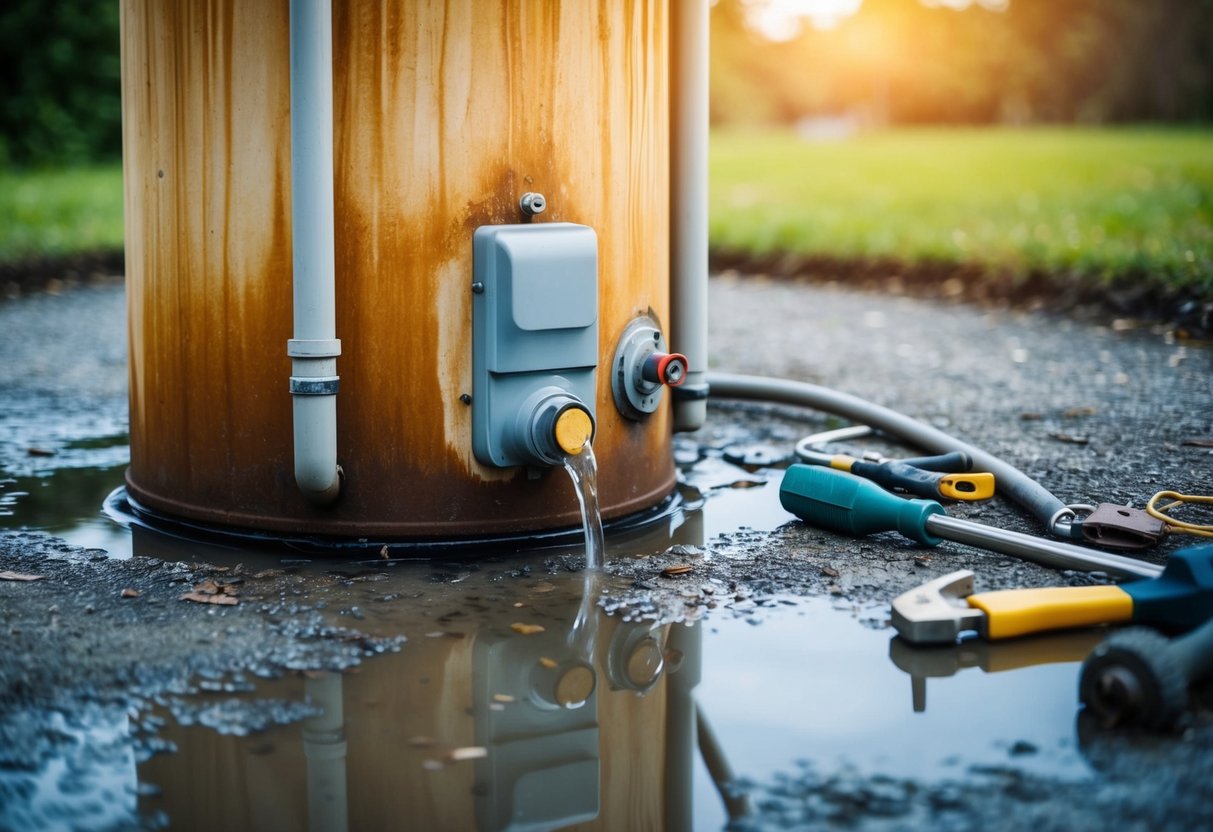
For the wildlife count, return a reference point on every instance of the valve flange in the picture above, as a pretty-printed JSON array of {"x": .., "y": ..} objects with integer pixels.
[{"x": 642, "y": 367}]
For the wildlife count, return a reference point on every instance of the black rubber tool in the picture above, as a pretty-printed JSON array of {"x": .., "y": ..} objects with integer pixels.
[{"x": 1138, "y": 676}]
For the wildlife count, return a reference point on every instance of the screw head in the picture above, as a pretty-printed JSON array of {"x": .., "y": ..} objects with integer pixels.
[{"x": 532, "y": 203}]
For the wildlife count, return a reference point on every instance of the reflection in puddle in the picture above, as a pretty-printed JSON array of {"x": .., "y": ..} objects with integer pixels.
[
  {"x": 477, "y": 723},
  {"x": 822, "y": 689}
]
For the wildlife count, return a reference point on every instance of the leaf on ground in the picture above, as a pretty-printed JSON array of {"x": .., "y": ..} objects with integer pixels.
[
  {"x": 131, "y": 593},
  {"x": 1073, "y": 440},
  {"x": 1078, "y": 412},
  {"x": 1199, "y": 442},
  {"x": 19, "y": 576},
  {"x": 526, "y": 629},
  {"x": 680, "y": 569},
  {"x": 39, "y": 452},
  {"x": 210, "y": 592}
]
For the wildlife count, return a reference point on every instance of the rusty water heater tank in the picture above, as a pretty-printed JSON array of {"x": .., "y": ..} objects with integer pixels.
[{"x": 444, "y": 115}]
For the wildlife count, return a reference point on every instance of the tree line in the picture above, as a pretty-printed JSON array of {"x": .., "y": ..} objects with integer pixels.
[
  {"x": 60, "y": 92},
  {"x": 894, "y": 61}
]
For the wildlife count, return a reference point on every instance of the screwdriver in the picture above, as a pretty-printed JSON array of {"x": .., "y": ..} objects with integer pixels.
[{"x": 842, "y": 502}]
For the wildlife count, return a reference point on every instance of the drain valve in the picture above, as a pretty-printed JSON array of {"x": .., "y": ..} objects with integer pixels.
[
  {"x": 642, "y": 367},
  {"x": 550, "y": 425},
  {"x": 574, "y": 428}
]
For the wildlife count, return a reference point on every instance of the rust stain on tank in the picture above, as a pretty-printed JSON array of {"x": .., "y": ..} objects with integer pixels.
[{"x": 446, "y": 112}]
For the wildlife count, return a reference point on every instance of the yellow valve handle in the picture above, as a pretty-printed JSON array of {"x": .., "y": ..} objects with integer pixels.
[
  {"x": 573, "y": 429},
  {"x": 979, "y": 486},
  {"x": 1016, "y": 612}
]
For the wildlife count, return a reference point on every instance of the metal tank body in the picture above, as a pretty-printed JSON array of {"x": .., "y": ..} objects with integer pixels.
[{"x": 445, "y": 113}]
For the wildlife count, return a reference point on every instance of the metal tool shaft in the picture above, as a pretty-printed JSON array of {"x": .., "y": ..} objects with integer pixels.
[{"x": 1038, "y": 549}]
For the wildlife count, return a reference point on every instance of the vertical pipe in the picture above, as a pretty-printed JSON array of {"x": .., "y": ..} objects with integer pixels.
[
  {"x": 315, "y": 347},
  {"x": 681, "y": 727},
  {"x": 324, "y": 746},
  {"x": 689, "y": 205},
  {"x": 736, "y": 804}
]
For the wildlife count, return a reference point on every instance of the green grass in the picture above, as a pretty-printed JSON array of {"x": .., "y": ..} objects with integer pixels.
[
  {"x": 61, "y": 212},
  {"x": 1102, "y": 202}
]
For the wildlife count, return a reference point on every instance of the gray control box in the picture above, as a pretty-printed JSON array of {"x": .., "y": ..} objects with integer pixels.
[{"x": 534, "y": 335}]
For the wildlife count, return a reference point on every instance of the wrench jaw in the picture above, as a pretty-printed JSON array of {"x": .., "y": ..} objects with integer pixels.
[{"x": 936, "y": 612}]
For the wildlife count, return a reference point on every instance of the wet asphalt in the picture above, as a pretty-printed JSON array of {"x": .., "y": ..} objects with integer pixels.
[{"x": 1097, "y": 411}]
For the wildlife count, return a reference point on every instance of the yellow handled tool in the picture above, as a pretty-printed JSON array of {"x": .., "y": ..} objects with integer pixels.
[{"x": 940, "y": 611}]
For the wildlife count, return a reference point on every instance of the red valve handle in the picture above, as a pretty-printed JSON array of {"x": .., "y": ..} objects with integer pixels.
[{"x": 668, "y": 368}]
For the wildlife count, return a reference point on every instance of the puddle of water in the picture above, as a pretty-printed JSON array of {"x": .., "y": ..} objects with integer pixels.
[
  {"x": 91, "y": 784},
  {"x": 67, "y": 503},
  {"x": 480, "y": 721},
  {"x": 583, "y": 471},
  {"x": 829, "y": 690},
  {"x": 477, "y": 723}
]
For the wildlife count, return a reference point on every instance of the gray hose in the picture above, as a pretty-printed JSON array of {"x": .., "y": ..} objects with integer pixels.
[{"x": 1012, "y": 482}]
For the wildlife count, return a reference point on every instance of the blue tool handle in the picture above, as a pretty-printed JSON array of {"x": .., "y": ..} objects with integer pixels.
[
  {"x": 841, "y": 502},
  {"x": 1179, "y": 599}
]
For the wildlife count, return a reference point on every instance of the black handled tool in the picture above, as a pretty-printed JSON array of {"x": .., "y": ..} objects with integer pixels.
[{"x": 943, "y": 477}]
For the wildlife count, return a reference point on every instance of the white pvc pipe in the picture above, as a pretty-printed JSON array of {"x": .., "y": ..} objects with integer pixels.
[
  {"x": 325, "y": 748},
  {"x": 689, "y": 205},
  {"x": 315, "y": 347}
]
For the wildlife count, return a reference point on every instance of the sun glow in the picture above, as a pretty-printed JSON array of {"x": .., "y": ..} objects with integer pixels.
[{"x": 783, "y": 20}]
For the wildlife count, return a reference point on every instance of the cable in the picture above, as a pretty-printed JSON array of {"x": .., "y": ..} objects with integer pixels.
[
  {"x": 1179, "y": 526},
  {"x": 1012, "y": 482}
]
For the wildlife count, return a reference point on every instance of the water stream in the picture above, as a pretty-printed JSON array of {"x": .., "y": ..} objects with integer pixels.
[{"x": 583, "y": 470}]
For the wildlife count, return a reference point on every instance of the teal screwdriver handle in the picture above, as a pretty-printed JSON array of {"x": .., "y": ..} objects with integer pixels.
[{"x": 841, "y": 502}]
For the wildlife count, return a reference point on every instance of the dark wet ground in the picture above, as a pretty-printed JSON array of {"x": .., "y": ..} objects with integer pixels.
[{"x": 143, "y": 710}]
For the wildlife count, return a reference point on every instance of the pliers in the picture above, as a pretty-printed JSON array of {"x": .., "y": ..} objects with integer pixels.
[{"x": 946, "y": 476}]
